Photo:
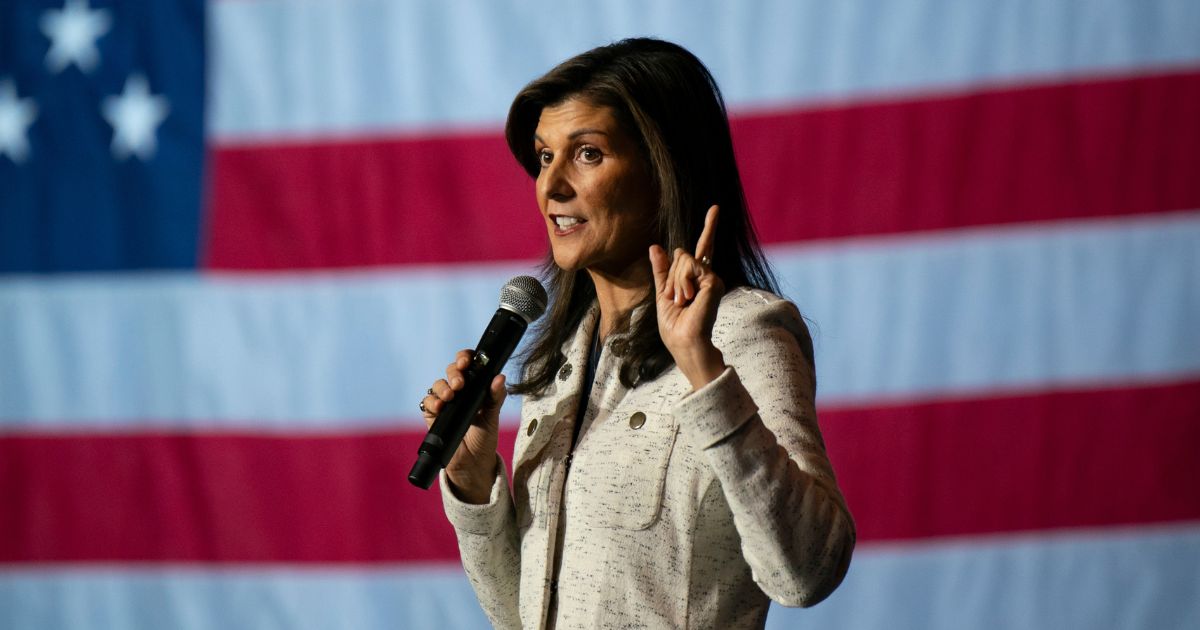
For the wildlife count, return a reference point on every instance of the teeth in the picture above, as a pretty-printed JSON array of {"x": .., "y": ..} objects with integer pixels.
[{"x": 565, "y": 222}]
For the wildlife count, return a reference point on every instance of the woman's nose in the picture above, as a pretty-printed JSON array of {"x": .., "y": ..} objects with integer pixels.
[{"x": 553, "y": 182}]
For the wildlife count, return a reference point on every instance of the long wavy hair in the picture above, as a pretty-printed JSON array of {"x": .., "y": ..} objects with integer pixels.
[{"x": 663, "y": 96}]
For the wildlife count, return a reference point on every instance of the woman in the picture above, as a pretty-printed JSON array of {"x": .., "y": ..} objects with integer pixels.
[{"x": 668, "y": 471}]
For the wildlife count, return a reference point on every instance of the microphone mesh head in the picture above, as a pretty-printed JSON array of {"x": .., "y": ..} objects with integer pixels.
[{"x": 525, "y": 296}]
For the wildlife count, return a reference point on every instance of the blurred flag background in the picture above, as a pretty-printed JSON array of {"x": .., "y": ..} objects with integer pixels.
[{"x": 238, "y": 239}]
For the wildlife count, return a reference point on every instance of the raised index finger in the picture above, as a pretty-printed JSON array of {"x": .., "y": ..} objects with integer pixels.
[{"x": 704, "y": 246}]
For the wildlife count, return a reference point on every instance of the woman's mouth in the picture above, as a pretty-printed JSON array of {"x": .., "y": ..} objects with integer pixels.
[{"x": 564, "y": 225}]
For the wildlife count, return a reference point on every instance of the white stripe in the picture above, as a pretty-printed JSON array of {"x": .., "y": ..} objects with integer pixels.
[
  {"x": 987, "y": 310},
  {"x": 1135, "y": 578},
  {"x": 182, "y": 598},
  {"x": 283, "y": 69},
  {"x": 298, "y": 351},
  {"x": 962, "y": 313}
]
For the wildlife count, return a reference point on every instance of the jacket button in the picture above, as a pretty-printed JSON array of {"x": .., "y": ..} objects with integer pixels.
[
  {"x": 565, "y": 372},
  {"x": 532, "y": 427},
  {"x": 637, "y": 420}
]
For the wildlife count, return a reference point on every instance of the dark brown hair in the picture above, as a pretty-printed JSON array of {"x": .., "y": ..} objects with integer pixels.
[{"x": 662, "y": 95}]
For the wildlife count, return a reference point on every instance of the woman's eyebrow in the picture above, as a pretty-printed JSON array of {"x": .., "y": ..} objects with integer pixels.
[
  {"x": 575, "y": 134},
  {"x": 584, "y": 132}
]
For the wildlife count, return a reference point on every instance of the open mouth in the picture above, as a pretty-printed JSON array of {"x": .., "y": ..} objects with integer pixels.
[{"x": 564, "y": 224}]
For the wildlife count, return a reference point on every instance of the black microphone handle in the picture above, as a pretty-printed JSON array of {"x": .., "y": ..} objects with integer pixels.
[{"x": 494, "y": 348}]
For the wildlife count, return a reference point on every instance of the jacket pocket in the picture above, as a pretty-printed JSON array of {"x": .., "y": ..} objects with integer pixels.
[
  {"x": 530, "y": 467},
  {"x": 527, "y": 492},
  {"x": 620, "y": 468}
]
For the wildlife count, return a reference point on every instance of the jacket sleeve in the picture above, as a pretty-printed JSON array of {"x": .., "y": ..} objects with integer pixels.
[
  {"x": 488, "y": 544},
  {"x": 757, "y": 426}
]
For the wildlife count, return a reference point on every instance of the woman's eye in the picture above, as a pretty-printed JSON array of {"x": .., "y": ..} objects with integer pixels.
[
  {"x": 545, "y": 157},
  {"x": 589, "y": 154}
]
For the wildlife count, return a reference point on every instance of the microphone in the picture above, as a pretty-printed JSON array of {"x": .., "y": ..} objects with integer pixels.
[{"x": 522, "y": 300}]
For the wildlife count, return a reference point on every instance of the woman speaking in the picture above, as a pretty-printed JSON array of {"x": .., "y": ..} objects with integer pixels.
[{"x": 668, "y": 471}]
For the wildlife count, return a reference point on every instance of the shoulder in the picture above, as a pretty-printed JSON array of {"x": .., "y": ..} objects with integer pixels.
[
  {"x": 749, "y": 316},
  {"x": 744, "y": 306}
]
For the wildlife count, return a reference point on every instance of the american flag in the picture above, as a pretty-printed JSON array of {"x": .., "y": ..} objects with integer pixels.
[{"x": 239, "y": 238}]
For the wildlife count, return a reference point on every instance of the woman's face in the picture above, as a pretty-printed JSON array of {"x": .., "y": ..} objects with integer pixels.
[{"x": 594, "y": 189}]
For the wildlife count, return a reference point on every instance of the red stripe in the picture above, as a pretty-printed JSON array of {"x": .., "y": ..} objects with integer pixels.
[
  {"x": 218, "y": 498},
  {"x": 1039, "y": 461},
  {"x": 1055, "y": 460},
  {"x": 1102, "y": 148}
]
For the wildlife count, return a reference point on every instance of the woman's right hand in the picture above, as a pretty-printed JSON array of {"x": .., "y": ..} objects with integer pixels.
[{"x": 472, "y": 469}]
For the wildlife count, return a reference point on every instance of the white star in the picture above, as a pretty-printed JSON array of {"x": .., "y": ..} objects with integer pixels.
[
  {"x": 73, "y": 32},
  {"x": 135, "y": 116},
  {"x": 16, "y": 114}
]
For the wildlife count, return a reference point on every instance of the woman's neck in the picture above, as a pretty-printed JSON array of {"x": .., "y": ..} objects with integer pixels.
[{"x": 619, "y": 293}]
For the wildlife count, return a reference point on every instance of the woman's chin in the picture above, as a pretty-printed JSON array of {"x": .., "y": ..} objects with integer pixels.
[{"x": 567, "y": 262}]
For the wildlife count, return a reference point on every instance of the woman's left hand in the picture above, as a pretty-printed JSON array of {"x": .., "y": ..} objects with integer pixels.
[{"x": 687, "y": 294}]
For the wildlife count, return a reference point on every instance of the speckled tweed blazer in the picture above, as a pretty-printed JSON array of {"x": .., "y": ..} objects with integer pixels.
[{"x": 677, "y": 509}]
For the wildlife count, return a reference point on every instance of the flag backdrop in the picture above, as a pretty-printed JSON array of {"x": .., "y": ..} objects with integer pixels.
[{"x": 238, "y": 239}]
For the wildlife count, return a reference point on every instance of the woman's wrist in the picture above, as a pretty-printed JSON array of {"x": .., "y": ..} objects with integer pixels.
[
  {"x": 473, "y": 487},
  {"x": 701, "y": 365}
]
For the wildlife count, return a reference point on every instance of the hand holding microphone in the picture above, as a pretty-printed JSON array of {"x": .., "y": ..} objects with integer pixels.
[{"x": 466, "y": 404}]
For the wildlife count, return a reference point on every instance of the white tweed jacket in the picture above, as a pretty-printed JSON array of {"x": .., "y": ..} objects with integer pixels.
[{"x": 675, "y": 510}]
